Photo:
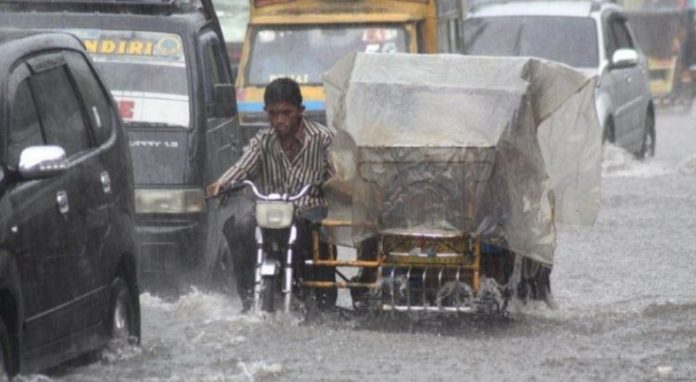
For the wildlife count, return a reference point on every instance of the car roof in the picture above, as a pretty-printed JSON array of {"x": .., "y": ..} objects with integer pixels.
[
  {"x": 539, "y": 8},
  {"x": 155, "y": 15},
  {"x": 180, "y": 24},
  {"x": 16, "y": 43},
  {"x": 153, "y": 7}
]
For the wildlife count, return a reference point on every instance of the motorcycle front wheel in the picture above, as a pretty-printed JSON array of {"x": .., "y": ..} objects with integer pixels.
[{"x": 268, "y": 293}]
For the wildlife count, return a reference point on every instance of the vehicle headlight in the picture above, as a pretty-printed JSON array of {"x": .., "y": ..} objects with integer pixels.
[
  {"x": 274, "y": 214},
  {"x": 168, "y": 201}
]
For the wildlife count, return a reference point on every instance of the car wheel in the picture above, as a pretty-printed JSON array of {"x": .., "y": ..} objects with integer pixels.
[
  {"x": 5, "y": 353},
  {"x": 122, "y": 325},
  {"x": 648, "y": 148},
  {"x": 609, "y": 136}
]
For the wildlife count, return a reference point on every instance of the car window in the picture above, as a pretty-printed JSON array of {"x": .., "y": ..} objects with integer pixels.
[
  {"x": 622, "y": 37},
  {"x": 574, "y": 43},
  {"x": 101, "y": 113},
  {"x": 59, "y": 110},
  {"x": 25, "y": 129}
]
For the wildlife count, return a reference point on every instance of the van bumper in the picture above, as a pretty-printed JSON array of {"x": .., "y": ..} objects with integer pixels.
[{"x": 169, "y": 244}]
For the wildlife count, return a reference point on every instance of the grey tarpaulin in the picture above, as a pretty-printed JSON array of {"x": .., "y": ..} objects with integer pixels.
[{"x": 451, "y": 144}]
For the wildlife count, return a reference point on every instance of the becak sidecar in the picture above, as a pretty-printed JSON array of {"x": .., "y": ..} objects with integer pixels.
[{"x": 451, "y": 173}]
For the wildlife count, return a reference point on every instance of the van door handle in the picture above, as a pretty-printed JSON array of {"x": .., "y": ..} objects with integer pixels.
[
  {"x": 63, "y": 205},
  {"x": 106, "y": 182}
]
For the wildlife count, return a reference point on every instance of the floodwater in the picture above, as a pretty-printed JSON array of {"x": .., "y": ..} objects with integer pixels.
[{"x": 624, "y": 287}]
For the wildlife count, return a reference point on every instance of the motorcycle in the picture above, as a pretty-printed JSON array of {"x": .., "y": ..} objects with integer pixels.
[
  {"x": 277, "y": 272},
  {"x": 275, "y": 233}
]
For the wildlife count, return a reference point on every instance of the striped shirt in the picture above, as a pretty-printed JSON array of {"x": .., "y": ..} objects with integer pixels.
[{"x": 264, "y": 158}]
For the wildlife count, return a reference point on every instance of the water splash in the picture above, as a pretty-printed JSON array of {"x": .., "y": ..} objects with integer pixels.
[
  {"x": 260, "y": 370},
  {"x": 687, "y": 166},
  {"x": 617, "y": 162}
]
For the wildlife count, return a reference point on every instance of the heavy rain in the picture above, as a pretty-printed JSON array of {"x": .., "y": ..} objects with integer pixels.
[
  {"x": 621, "y": 305},
  {"x": 626, "y": 308}
]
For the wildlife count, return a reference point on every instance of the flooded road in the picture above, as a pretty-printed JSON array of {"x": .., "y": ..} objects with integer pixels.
[{"x": 624, "y": 287}]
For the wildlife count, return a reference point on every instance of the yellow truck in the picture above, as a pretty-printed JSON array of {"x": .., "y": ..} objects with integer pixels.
[
  {"x": 303, "y": 38},
  {"x": 666, "y": 35}
]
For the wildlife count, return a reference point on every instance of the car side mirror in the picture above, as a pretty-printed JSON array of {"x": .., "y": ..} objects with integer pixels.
[
  {"x": 624, "y": 58},
  {"x": 225, "y": 102},
  {"x": 36, "y": 162}
]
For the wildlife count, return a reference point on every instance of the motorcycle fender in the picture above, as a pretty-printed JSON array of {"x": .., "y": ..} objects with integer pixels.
[{"x": 270, "y": 268}]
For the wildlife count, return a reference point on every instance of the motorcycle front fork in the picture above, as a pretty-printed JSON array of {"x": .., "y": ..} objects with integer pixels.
[{"x": 263, "y": 263}]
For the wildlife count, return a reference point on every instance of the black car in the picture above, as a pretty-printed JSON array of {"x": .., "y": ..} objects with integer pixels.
[
  {"x": 68, "y": 276},
  {"x": 166, "y": 65}
]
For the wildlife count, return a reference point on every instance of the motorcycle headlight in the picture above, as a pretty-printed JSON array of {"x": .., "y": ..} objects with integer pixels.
[
  {"x": 168, "y": 201},
  {"x": 274, "y": 214}
]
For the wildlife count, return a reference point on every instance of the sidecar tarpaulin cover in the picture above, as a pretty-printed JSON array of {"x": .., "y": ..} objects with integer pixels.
[{"x": 442, "y": 145}]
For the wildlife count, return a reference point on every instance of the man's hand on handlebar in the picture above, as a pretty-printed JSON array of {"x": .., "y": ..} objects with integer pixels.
[
  {"x": 213, "y": 189},
  {"x": 222, "y": 190}
]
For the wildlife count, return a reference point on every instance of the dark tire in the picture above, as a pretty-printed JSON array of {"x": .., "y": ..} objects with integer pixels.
[
  {"x": 5, "y": 353},
  {"x": 121, "y": 321},
  {"x": 326, "y": 297},
  {"x": 268, "y": 294},
  {"x": 648, "y": 148},
  {"x": 609, "y": 134}
]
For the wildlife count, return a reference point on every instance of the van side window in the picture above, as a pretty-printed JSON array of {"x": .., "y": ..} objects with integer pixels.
[
  {"x": 213, "y": 64},
  {"x": 101, "y": 115},
  {"x": 62, "y": 117},
  {"x": 25, "y": 129}
]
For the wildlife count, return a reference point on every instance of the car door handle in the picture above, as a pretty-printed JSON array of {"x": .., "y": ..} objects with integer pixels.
[
  {"x": 63, "y": 205},
  {"x": 106, "y": 182}
]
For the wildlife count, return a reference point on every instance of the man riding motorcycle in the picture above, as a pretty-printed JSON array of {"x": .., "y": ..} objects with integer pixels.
[{"x": 290, "y": 154}]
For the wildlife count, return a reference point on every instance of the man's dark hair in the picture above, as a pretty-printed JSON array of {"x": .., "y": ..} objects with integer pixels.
[{"x": 283, "y": 90}]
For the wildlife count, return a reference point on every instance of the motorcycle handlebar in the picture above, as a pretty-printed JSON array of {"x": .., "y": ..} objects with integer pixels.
[
  {"x": 227, "y": 190},
  {"x": 238, "y": 186},
  {"x": 290, "y": 198}
]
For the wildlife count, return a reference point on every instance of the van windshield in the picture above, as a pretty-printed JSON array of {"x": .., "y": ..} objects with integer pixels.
[
  {"x": 570, "y": 40},
  {"x": 304, "y": 53},
  {"x": 146, "y": 72}
]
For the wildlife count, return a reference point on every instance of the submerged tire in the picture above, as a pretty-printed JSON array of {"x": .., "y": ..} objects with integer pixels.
[
  {"x": 648, "y": 148},
  {"x": 608, "y": 135},
  {"x": 268, "y": 294},
  {"x": 122, "y": 317}
]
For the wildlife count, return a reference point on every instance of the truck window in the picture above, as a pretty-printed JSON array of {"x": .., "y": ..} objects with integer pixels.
[
  {"x": 304, "y": 53},
  {"x": 146, "y": 72}
]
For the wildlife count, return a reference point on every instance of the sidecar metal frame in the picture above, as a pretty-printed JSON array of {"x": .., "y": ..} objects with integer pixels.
[{"x": 427, "y": 274}]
